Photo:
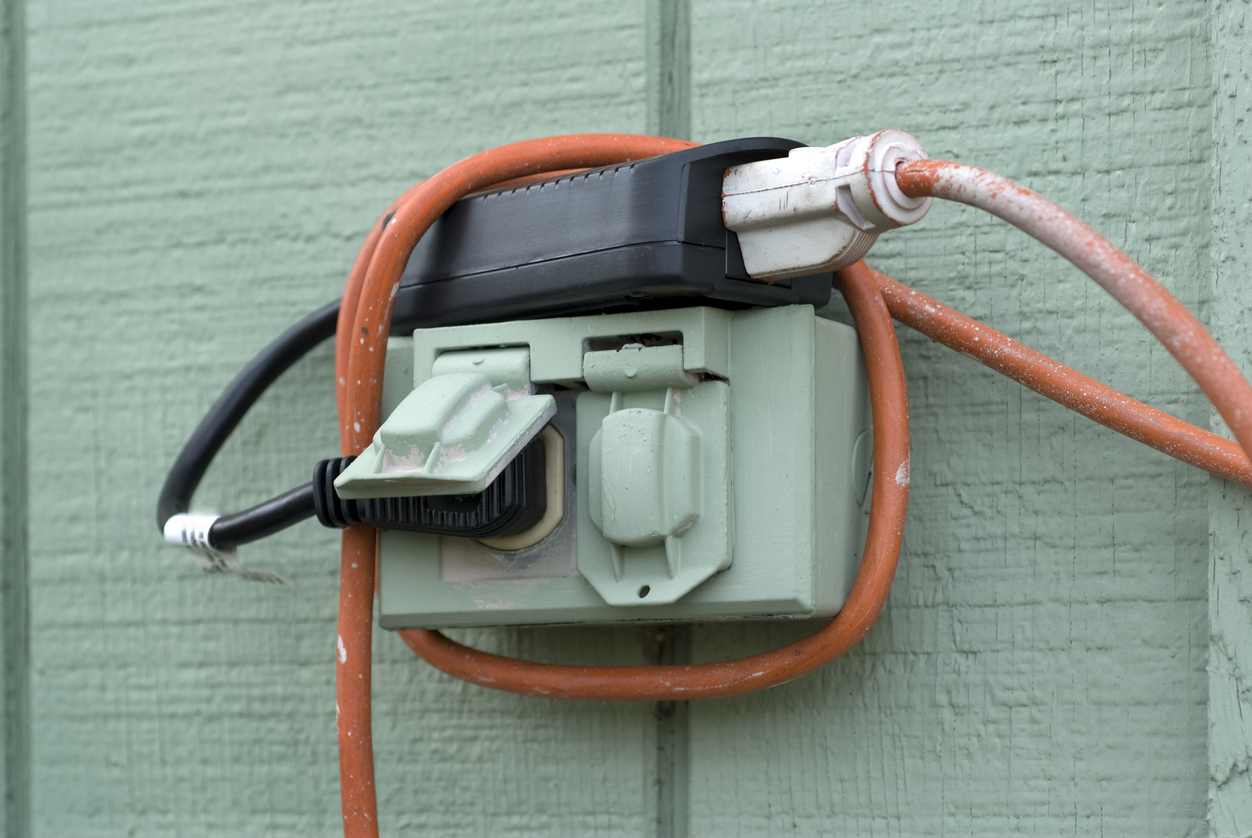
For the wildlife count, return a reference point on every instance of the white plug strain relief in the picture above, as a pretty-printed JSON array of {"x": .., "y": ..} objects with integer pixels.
[
  {"x": 820, "y": 209},
  {"x": 874, "y": 190},
  {"x": 190, "y": 531}
]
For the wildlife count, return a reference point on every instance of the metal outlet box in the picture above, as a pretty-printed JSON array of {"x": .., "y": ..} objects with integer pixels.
[{"x": 711, "y": 465}]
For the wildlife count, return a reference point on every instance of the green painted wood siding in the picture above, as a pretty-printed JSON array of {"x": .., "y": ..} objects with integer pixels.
[
  {"x": 199, "y": 174},
  {"x": 1230, "y": 584}
]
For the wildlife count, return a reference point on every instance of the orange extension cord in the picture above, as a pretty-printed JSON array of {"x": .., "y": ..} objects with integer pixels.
[{"x": 873, "y": 298}]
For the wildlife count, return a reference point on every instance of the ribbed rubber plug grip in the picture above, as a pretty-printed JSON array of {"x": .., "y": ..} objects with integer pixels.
[{"x": 513, "y": 502}]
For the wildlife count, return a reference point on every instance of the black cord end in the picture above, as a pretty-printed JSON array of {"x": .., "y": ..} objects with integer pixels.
[
  {"x": 514, "y": 502},
  {"x": 331, "y": 510}
]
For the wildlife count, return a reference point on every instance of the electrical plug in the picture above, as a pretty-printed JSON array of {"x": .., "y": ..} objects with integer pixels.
[{"x": 820, "y": 209}]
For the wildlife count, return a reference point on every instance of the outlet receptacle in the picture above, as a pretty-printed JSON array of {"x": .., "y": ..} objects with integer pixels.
[{"x": 768, "y": 487}]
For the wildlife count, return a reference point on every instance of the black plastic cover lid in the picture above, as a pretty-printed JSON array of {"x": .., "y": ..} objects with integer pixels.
[{"x": 647, "y": 234}]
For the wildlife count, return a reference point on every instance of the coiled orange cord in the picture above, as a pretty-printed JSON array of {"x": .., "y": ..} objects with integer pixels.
[
  {"x": 889, "y": 499},
  {"x": 359, "y": 354},
  {"x": 360, "y": 350}
]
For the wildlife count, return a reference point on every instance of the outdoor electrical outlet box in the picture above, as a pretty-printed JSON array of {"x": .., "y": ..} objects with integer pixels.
[{"x": 702, "y": 464}]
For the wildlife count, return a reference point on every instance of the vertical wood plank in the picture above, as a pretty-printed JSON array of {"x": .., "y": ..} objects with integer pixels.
[
  {"x": 1230, "y": 580},
  {"x": 14, "y": 616},
  {"x": 201, "y": 176},
  {"x": 1040, "y": 664}
]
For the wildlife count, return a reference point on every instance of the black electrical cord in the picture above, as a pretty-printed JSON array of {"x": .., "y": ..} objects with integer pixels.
[
  {"x": 264, "y": 519},
  {"x": 516, "y": 494},
  {"x": 216, "y": 427}
]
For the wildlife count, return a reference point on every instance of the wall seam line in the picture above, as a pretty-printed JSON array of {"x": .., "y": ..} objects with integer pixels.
[
  {"x": 668, "y": 29},
  {"x": 14, "y": 531},
  {"x": 668, "y": 83}
]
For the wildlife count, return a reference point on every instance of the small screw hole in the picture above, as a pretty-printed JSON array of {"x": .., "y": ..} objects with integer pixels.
[{"x": 644, "y": 591}]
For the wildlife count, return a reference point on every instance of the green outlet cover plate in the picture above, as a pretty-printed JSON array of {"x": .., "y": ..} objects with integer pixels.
[
  {"x": 796, "y": 400},
  {"x": 454, "y": 433},
  {"x": 654, "y": 469}
]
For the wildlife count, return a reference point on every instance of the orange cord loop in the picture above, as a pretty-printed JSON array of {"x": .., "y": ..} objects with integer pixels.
[
  {"x": 873, "y": 298},
  {"x": 359, "y": 356},
  {"x": 889, "y": 499}
]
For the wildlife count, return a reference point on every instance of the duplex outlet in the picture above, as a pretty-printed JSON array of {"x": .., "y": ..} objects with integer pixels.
[{"x": 714, "y": 466}]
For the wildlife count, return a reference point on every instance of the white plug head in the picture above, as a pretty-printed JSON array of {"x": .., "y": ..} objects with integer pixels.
[{"x": 820, "y": 209}]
